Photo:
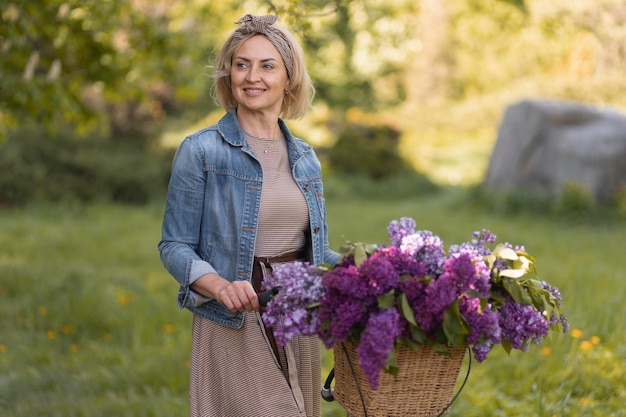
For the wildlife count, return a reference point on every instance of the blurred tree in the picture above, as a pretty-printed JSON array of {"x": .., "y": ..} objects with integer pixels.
[
  {"x": 357, "y": 49},
  {"x": 122, "y": 65},
  {"x": 114, "y": 65}
]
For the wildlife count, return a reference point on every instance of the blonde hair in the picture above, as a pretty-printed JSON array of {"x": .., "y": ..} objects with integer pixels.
[{"x": 297, "y": 100}]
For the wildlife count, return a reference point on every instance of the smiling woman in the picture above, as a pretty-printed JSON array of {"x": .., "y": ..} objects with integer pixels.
[
  {"x": 259, "y": 82},
  {"x": 243, "y": 194}
]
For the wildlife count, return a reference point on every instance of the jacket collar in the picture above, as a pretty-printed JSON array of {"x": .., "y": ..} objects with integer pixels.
[{"x": 230, "y": 129}]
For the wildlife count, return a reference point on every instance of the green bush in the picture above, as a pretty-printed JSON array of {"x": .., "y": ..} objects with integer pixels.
[
  {"x": 399, "y": 186},
  {"x": 575, "y": 201},
  {"x": 574, "y": 204},
  {"x": 370, "y": 151},
  {"x": 35, "y": 168}
]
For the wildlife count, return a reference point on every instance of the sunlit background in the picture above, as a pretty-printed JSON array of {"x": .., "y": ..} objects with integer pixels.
[{"x": 95, "y": 95}]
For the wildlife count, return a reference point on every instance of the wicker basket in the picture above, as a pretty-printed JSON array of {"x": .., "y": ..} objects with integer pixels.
[{"x": 423, "y": 387}]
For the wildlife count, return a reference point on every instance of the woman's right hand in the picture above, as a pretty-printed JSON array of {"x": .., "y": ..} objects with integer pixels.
[
  {"x": 236, "y": 296},
  {"x": 239, "y": 296}
]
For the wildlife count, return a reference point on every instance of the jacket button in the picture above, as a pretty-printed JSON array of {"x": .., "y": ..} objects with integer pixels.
[
  {"x": 306, "y": 187},
  {"x": 316, "y": 229}
]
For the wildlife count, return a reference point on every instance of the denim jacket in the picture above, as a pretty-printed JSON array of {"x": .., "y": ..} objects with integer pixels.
[{"x": 212, "y": 210}]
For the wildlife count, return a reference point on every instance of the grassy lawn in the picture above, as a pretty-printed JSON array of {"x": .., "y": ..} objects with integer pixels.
[{"x": 89, "y": 325}]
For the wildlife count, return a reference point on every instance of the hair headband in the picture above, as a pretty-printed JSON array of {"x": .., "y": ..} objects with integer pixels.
[{"x": 263, "y": 25}]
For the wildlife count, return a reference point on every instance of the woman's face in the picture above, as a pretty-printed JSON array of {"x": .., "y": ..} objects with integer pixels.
[{"x": 258, "y": 77}]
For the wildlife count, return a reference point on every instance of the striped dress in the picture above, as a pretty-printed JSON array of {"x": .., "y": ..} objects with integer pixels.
[{"x": 234, "y": 372}]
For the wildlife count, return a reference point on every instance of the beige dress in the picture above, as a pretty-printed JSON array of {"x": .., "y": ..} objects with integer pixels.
[{"x": 234, "y": 372}]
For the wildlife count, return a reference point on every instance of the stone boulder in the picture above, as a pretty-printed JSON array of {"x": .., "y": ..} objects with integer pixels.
[{"x": 544, "y": 145}]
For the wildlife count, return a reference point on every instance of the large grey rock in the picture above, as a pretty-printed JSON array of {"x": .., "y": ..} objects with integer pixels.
[{"x": 543, "y": 145}]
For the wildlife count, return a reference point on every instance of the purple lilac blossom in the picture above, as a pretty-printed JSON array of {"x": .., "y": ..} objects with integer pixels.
[
  {"x": 346, "y": 280},
  {"x": 477, "y": 247},
  {"x": 482, "y": 285},
  {"x": 341, "y": 315},
  {"x": 405, "y": 263},
  {"x": 432, "y": 254},
  {"x": 345, "y": 303},
  {"x": 522, "y": 324},
  {"x": 485, "y": 329},
  {"x": 301, "y": 286},
  {"x": 459, "y": 274},
  {"x": 415, "y": 264},
  {"x": 379, "y": 273},
  {"x": 553, "y": 291},
  {"x": 376, "y": 343},
  {"x": 562, "y": 318},
  {"x": 398, "y": 229}
]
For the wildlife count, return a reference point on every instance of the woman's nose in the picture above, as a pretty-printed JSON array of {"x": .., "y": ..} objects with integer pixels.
[{"x": 253, "y": 74}]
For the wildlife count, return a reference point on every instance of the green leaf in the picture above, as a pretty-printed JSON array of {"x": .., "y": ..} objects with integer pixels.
[
  {"x": 414, "y": 346},
  {"x": 359, "y": 255},
  {"x": 392, "y": 364},
  {"x": 533, "y": 283},
  {"x": 516, "y": 291},
  {"x": 418, "y": 335},
  {"x": 406, "y": 310},
  {"x": 497, "y": 297},
  {"x": 387, "y": 300},
  {"x": 454, "y": 325},
  {"x": 441, "y": 348},
  {"x": 506, "y": 345}
]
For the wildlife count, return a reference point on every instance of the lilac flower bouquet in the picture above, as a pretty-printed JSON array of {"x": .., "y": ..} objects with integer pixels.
[{"x": 413, "y": 292}]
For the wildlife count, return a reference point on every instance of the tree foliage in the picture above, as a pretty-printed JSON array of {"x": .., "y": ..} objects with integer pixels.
[
  {"x": 115, "y": 65},
  {"x": 122, "y": 66}
]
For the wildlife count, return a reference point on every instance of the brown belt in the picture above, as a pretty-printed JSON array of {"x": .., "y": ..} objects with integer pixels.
[
  {"x": 257, "y": 271},
  {"x": 257, "y": 280}
]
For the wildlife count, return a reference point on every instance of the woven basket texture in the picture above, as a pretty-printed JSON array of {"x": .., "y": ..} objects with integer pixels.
[{"x": 423, "y": 387}]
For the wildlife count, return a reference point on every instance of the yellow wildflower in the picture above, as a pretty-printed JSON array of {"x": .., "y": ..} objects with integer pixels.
[
  {"x": 67, "y": 329},
  {"x": 124, "y": 298},
  {"x": 577, "y": 333},
  {"x": 169, "y": 328}
]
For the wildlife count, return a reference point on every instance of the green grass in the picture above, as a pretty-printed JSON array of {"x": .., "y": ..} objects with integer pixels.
[{"x": 89, "y": 324}]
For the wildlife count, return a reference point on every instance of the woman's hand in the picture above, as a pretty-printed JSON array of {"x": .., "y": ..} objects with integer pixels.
[{"x": 237, "y": 296}]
